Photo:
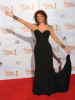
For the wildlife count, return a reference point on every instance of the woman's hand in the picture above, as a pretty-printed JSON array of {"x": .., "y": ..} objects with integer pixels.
[
  {"x": 9, "y": 13},
  {"x": 59, "y": 61},
  {"x": 67, "y": 49}
]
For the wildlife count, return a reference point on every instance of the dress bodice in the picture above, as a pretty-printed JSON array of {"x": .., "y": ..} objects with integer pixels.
[{"x": 41, "y": 36}]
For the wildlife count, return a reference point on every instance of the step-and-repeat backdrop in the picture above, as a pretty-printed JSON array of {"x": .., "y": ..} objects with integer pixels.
[{"x": 17, "y": 41}]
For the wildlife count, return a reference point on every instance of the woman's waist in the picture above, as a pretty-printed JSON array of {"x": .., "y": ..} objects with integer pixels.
[{"x": 42, "y": 41}]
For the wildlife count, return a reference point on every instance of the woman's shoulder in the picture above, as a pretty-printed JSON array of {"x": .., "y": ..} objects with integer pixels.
[
  {"x": 35, "y": 24},
  {"x": 50, "y": 26}
]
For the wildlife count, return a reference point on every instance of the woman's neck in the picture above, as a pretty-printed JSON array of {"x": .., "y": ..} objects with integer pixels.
[{"x": 40, "y": 24}]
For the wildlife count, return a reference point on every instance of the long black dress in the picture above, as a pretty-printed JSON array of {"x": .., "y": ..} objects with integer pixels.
[{"x": 46, "y": 80}]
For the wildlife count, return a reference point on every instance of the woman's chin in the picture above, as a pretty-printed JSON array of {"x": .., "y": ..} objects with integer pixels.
[{"x": 40, "y": 21}]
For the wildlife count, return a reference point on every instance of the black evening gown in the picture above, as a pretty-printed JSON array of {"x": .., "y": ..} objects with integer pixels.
[{"x": 46, "y": 80}]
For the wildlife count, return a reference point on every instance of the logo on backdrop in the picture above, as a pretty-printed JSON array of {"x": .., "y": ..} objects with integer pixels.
[
  {"x": 29, "y": 72},
  {"x": 55, "y": 49},
  {"x": 69, "y": 4},
  {"x": 64, "y": 38},
  {"x": 69, "y": 26},
  {"x": 3, "y": 8},
  {"x": 49, "y": 6},
  {"x": 28, "y": 51},
  {"x": 19, "y": 62},
  {"x": 27, "y": 7},
  {"x": 11, "y": 73},
  {"x": 9, "y": 52},
  {"x": 17, "y": 41},
  {"x": 25, "y": 29},
  {"x": 8, "y": 30},
  {"x": 73, "y": 68}
]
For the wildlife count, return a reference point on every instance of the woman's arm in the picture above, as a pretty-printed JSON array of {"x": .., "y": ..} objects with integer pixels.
[
  {"x": 58, "y": 59},
  {"x": 66, "y": 48},
  {"x": 27, "y": 24},
  {"x": 55, "y": 37}
]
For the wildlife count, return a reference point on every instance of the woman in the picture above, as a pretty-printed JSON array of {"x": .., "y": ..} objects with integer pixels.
[{"x": 46, "y": 80}]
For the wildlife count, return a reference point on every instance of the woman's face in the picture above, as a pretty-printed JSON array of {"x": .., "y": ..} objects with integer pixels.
[{"x": 40, "y": 18}]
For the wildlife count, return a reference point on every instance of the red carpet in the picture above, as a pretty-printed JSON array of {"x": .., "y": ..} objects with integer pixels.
[{"x": 21, "y": 89}]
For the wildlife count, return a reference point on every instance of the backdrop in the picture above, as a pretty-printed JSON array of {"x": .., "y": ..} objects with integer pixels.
[{"x": 17, "y": 50}]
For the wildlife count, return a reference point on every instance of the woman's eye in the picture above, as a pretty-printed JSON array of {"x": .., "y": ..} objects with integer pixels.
[{"x": 41, "y": 16}]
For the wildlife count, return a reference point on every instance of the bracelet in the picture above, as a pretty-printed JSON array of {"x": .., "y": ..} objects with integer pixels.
[
  {"x": 63, "y": 46},
  {"x": 15, "y": 17}
]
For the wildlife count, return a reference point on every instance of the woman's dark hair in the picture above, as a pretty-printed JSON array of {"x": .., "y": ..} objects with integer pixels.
[{"x": 42, "y": 13}]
